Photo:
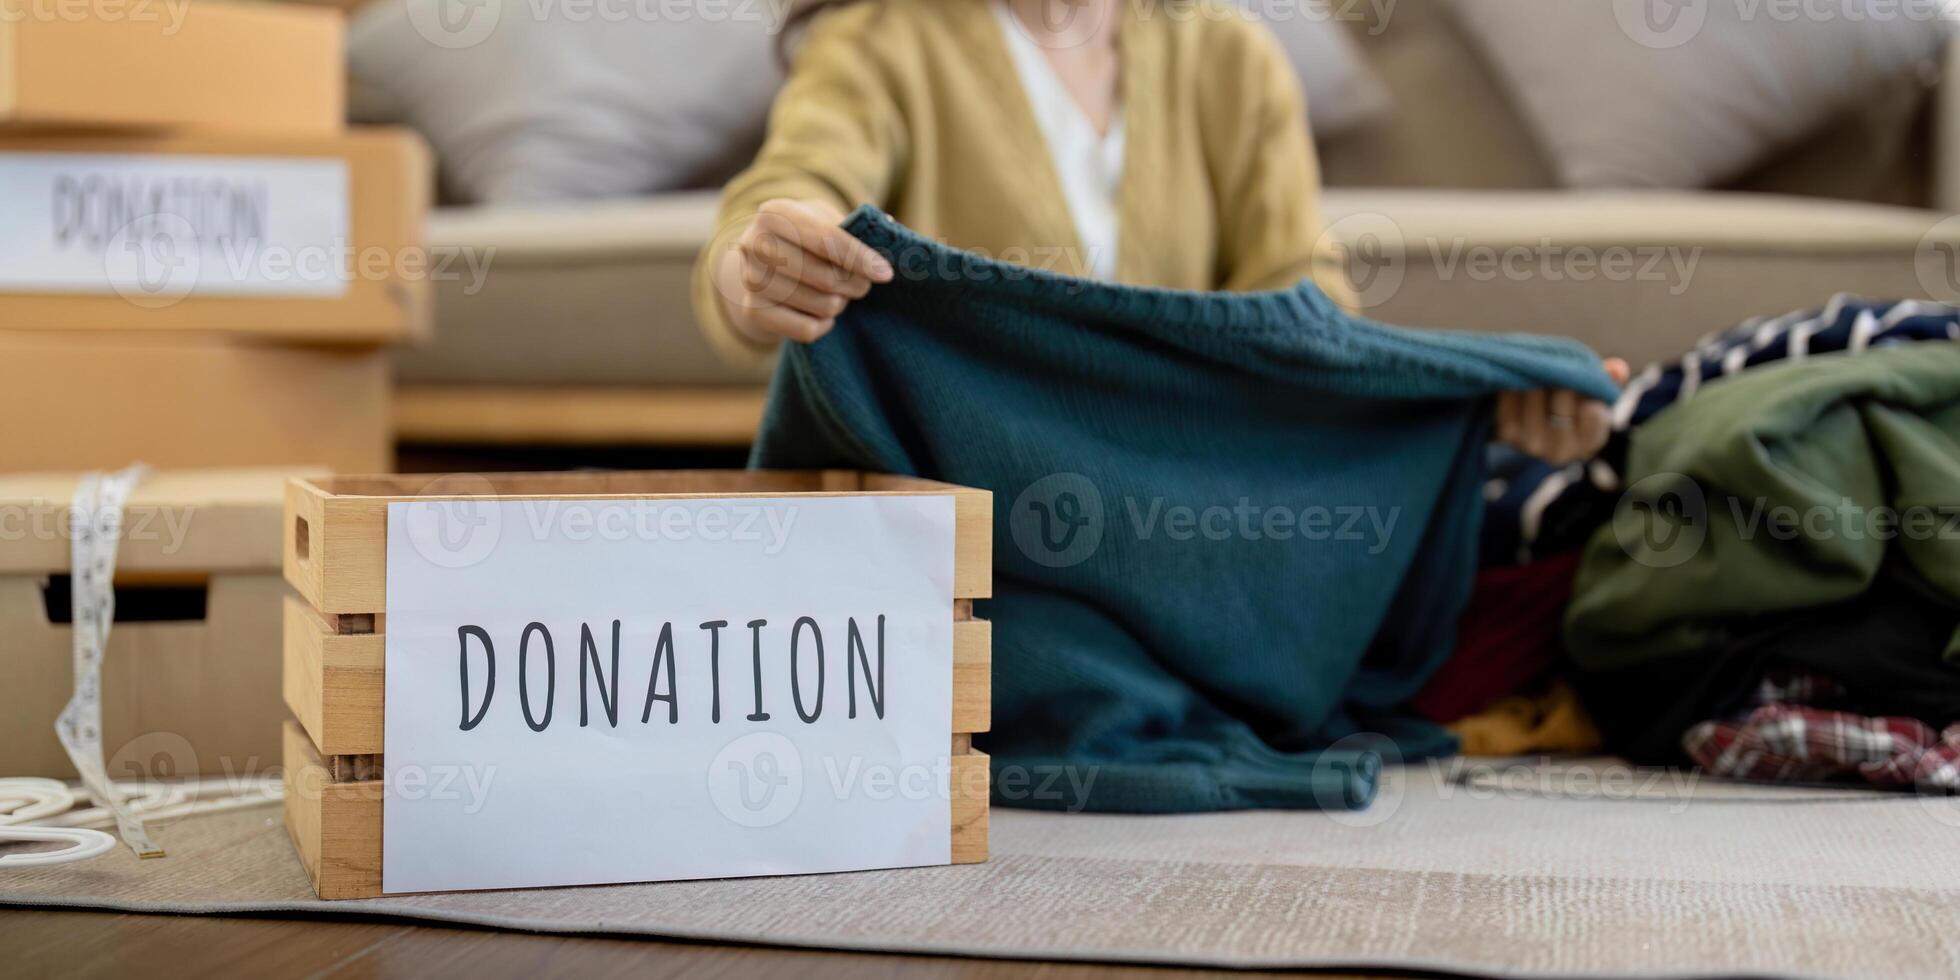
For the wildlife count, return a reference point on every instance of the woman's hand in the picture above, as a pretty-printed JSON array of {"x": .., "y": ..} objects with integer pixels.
[
  {"x": 793, "y": 270},
  {"x": 1557, "y": 426}
]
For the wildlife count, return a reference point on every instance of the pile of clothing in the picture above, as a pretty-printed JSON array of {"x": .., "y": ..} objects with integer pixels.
[
  {"x": 1763, "y": 565},
  {"x": 1377, "y": 584}
]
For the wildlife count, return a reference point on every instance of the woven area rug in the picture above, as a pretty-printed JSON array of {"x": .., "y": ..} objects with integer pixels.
[{"x": 1480, "y": 867}]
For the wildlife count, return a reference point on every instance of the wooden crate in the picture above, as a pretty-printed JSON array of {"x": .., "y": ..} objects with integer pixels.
[{"x": 336, "y": 560}]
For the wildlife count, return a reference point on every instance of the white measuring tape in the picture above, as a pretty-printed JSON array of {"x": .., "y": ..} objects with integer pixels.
[
  {"x": 96, "y": 518},
  {"x": 36, "y": 809},
  {"x": 43, "y": 810}
]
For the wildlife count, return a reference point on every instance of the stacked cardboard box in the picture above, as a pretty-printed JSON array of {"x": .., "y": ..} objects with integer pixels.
[
  {"x": 190, "y": 676},
  {"x": 199, "y": 264}
]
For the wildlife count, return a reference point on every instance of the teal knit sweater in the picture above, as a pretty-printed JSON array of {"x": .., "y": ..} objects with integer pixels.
[{"x": 1233, "y": 531}]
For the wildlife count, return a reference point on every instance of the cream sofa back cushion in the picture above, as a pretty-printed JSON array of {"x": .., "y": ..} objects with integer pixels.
[{"x": 1691, "y": 93}]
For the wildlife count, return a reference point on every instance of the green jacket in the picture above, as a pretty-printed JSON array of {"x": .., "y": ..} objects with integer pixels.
[{"x": 1783, "y": 489}]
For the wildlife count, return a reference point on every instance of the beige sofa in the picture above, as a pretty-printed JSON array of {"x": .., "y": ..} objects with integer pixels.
[{"x": 581, "y": 332}]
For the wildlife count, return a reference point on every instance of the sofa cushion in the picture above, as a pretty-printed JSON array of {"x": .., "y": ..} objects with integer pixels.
[
  {"x": 534, "y": 104},
  {"x": 589, "y": 293},
  {"x": 1663, "y": 93},
  {"x": 1443, "y": 96},
  {"x": 1343, "y": 90},
  {"x": 598, "y": 293},
  {"x": 1638, "y": 274}
]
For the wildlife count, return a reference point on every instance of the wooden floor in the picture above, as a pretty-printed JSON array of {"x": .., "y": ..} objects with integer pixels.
[{"x": 110, "y": 944}]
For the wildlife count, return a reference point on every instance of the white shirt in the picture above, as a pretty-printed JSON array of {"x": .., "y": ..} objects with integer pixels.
[{"x": 1089, "y": 164}]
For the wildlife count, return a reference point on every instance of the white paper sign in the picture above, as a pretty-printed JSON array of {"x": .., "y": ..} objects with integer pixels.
[
  {"x": 804, "y": 728},
  {"x": 156, "y": 229}
]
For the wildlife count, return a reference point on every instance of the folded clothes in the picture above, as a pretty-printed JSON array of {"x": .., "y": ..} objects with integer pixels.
[
  {"x": 1537, "y": 509},
  {"x": 1789, "y": 733},
  {"x": 1524, "y": 724},
  {"x": 1801, "y": 513},
  {"x": 1195, "y": 658}
]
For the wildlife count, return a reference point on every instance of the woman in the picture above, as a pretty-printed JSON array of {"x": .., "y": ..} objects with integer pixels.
[{"x": 1140, "y": 141}]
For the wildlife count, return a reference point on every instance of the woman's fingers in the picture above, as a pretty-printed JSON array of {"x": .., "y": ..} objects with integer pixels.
[
  {"x": 791, "y": 324},
  {"x": 1562, "y": 426},
  {"x": 1510, "y": 418},
  {"x": 768, "y": 288},
  {"x": 793, "y": 270},
  {"x": 1617, "y": 369},
  {"x": 1558, "y": 426},
  {"x": 775, "y": 259},
  {"x": 1595, "y": 424},
  {"x": 814, "y": 228},
  {"x": 1532, "y": 430}
]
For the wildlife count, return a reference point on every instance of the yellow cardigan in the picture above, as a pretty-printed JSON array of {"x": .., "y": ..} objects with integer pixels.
[{"x": 915, "y": 106}]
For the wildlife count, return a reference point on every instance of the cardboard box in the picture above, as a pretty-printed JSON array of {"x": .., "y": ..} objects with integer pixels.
[
  {"x": 164, "y": 64},
  {"x": 190, "y": 680},
  {"x": 314, "y": 239},
  {"x": 80, "y": 401}
]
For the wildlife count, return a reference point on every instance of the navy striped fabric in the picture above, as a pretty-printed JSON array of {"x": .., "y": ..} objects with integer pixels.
[{"x": 1535, "y": 509}]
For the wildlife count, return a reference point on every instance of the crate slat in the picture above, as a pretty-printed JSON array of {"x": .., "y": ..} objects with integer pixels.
[
  {"x": 336, "y": 826},
  {"x": 336, "y": 551},
  {"x": 334, "y": 682}
]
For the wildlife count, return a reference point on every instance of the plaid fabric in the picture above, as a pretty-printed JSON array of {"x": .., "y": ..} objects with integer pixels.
[
  {"x": 1786, "y": 737},
  {"x": 1534, "y": 509}
]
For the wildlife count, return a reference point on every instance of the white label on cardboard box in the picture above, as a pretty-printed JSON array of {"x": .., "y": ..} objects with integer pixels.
[
  {"x": 156, "y": 229},
  {"x": 598, "y": 691}
]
